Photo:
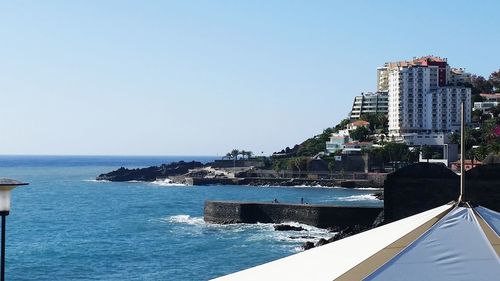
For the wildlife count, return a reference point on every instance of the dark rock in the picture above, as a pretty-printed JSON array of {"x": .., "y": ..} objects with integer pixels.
[
  {"x": 379, "y": 220},
  {"x": 150, "y": 173},
  {"x": 286, "y": 227},
  {"x": 379, "y": 195},
  {"x": 302, "y": 237},
  {"x": 321, "y": 242},
  {"x": 308, "y": 245}
]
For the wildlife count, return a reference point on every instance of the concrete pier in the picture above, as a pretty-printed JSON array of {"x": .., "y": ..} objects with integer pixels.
[{"x": 323, "y": 216}]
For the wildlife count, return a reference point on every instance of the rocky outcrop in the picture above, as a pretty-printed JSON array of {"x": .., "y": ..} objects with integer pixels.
[
  {"x": 287, "y": 227},
  {"x": 150, "y": 173},
  {"x": 341, "y": 234}
]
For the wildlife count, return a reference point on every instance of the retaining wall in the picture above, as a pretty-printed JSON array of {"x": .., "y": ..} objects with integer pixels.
[{"x": 316, "y": 215}]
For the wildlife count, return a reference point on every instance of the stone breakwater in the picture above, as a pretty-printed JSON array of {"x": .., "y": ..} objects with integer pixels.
[{"x": 322, "y": 216}]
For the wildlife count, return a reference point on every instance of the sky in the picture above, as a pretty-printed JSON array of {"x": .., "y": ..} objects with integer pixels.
[{"x": 203, "y": 77}]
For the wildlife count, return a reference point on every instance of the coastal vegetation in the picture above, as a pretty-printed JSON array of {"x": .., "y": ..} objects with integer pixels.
[{"x": 481, "y": 85}]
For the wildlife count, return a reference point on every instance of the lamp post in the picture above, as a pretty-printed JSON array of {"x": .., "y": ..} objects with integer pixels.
[{"x": 6, "y": 185}]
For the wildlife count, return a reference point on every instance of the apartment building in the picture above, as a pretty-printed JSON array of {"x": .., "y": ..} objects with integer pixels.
[
  {"x": 458, "y": 76},
  {"x": 369, "y": 103},
  {"x": 419, "y": 99}
]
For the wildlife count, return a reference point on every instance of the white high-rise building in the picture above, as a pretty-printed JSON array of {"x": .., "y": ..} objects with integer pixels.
[{"x": 419, "y": 102}]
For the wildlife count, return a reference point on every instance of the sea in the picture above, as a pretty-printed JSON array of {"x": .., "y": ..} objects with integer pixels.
[{"x": 65, "y": 225}]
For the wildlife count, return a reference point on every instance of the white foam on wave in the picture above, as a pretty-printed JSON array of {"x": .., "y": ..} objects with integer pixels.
[
  {"x": 305, "y": 185},
  {"x": 258, "y": 231},
  {"x": 167, "y": 182},
  {"x": 94, "y": 180},
  {"x": 186, "y": 219},
  {"x": 369, "y": 188},
  {"x": 361, "y": 197}
]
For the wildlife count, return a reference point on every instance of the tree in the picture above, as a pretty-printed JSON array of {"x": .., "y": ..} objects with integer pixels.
[
  {"x": 376, "y": 120},
  {"x": 494, "y": 147},
  {"x": 243, "y": 153},
  {"x": 476, "y": 116},
  {"x": 480, "y": 153},
  {"x": 477, "y": 98},
  {"x": 480, "y": 85},
  {"x": 234, "y": 154},
  {"x": 249, "y": 154},
  {"x": 426, "y": 152},
  {"x": 454, "y": 138},
  {"x": 396, "y": 152},
  {"x": 359, "y": 134},
  {"x": 494, "y": 80},
  {"x": 496, "y": 111},
  {"x": 297, "y": 163},
  {"x": 342, "y": 124},
  {"x": 331, "y": 167},
  {"x": 414, "y": 155},
  {"x": 382, "y": 138}
]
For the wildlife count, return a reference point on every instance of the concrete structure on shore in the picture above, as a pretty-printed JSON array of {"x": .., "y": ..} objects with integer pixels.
[{"x": 322, "y": 216}]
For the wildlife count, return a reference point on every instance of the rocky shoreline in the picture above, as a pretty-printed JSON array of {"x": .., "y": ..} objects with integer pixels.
[
  {"x": 151, "y": 173},
  {"x": 197, "y": 173}
]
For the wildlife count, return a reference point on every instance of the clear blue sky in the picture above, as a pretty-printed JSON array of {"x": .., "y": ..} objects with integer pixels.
[{"x": 203, "y": 77}]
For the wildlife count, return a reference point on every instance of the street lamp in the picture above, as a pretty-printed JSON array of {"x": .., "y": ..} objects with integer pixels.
[{"x": 6, "y": 185}]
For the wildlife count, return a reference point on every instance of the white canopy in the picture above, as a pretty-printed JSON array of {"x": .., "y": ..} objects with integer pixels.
[{"x": 445, "y": 243}]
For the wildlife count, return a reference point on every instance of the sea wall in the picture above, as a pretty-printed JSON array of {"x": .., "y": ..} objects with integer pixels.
[
  {"x": 237, "y": 163},
  {"x": 316, "y": 215},
  {"x": 423, "y": 186},
  {"x": 280, "y": 182}
]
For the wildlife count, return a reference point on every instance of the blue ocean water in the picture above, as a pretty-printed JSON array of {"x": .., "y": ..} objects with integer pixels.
[{"x": 66, "y": 226}]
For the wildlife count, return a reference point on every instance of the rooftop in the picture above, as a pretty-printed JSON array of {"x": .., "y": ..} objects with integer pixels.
[{"x": 358, "y": 123}]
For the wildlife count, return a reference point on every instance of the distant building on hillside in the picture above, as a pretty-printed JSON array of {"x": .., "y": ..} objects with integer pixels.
[
  {"x": 337, "y": 141},
  {"x": 356, "y": 147},
  {"x": 369, "y": 103},
  {"x": 485, "y": 105},
  {"x": 458, "y": 76},
  {"x": 356, "y": 124},
  {"x": 490, "y": 97}
]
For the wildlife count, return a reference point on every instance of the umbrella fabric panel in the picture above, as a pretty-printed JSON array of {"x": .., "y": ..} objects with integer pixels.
[
  {"x": 491, "y": 217},
  {"x": 453, "y": 249}
]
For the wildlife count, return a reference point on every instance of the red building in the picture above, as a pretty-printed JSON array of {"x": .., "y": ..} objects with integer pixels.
[{"x": 441, "y": 63}]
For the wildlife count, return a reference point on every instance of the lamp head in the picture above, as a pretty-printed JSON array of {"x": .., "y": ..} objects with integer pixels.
[{"x": 6, "y": 185}]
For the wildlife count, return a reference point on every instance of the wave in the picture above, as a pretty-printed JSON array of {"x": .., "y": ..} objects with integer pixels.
[
  {"x": 186, "y": 219},
  {"x": 369, "y": 188},
  {"x": 167, "y": 182},
  {"x": 361, "y": 197},
  {"x": 94, "y": 180},
  {"x": 254, "y": 232}
]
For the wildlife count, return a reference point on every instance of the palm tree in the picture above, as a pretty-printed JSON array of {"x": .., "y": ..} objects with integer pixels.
[
  {"x": 243, "y": 154},
  {"x": 249, "y": 154},
  {"x": 494, "y": 147},
  {"x": 234, "y": 154}
]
